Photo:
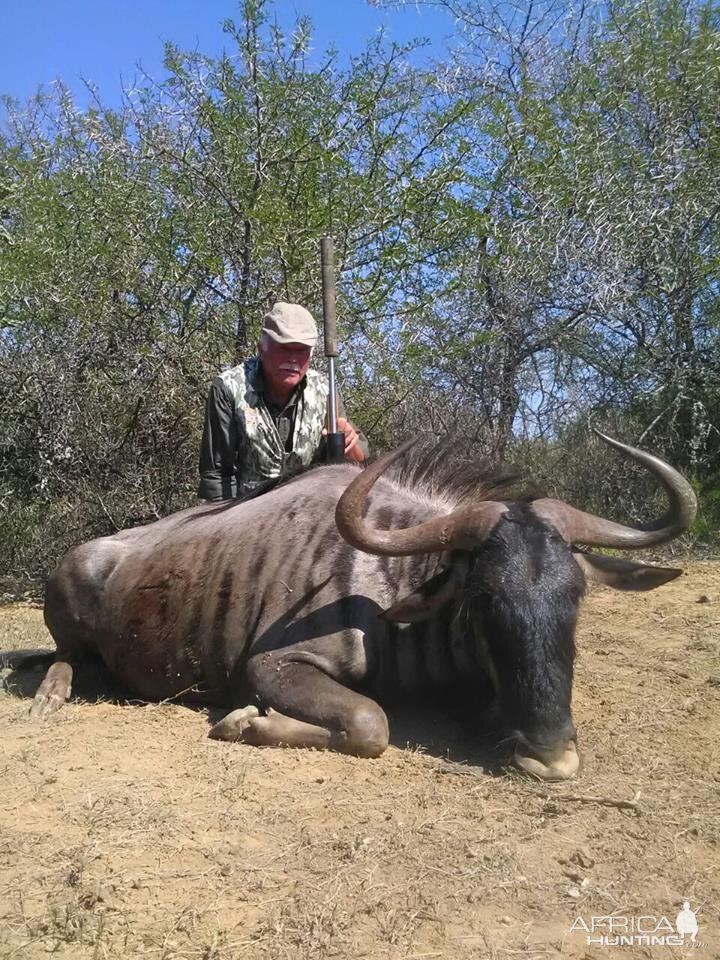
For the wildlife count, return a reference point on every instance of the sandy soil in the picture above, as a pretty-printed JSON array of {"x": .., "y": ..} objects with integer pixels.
[{"x": 125, "y": 832}]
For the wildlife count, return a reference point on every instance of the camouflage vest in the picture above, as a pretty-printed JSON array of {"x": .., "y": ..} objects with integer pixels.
[{"x": 261, "y": 452}]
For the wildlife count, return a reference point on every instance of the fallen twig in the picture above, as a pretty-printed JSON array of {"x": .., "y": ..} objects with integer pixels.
[
  {"x": 458, "y": 770},
  {"x": 600, "y": 801}
]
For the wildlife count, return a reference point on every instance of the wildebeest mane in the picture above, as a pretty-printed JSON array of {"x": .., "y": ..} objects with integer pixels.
[{"x": 437, "y": 470}]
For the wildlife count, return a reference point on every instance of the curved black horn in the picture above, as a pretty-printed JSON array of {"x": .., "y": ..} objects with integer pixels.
[{"x": 576, "y": 526}]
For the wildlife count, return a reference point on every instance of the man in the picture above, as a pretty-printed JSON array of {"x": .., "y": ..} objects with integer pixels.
[{"x": 265, "y": 418}]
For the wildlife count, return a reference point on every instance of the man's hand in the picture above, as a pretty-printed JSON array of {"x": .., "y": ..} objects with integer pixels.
[{"x": 353, "y": 451}]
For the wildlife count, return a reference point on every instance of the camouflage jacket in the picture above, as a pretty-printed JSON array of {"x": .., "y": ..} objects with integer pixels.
[{"x": 242, "y": 448}]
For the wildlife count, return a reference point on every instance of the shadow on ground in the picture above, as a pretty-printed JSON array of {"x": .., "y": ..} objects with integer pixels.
[
  {"x": 450, "y": 735},
  {"x": 438, "y": 730}
]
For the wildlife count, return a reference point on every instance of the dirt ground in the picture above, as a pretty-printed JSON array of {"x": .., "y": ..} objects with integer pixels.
[{"x": 125, "y": 832}]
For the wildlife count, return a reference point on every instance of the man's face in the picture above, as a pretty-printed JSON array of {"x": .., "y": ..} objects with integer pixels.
[{"x": 284, "y": 364}]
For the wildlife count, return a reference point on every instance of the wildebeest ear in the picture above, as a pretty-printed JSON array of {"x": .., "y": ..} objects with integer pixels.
[
  {"x": 422, "y": 603},
  {"x": 623, "y": 574}
]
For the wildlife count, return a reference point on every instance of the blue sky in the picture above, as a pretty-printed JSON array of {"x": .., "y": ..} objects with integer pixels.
[{"x": 105, "y": 40}]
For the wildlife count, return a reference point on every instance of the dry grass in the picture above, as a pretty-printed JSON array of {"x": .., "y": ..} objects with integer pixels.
[{"x": 124, "y": 832}]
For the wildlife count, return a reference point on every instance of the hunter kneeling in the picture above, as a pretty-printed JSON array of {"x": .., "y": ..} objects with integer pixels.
[{"x": 265, "y": 418}]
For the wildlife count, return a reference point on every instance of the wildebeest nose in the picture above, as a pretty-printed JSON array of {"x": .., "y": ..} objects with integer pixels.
[{"x": 562, "y": 763}]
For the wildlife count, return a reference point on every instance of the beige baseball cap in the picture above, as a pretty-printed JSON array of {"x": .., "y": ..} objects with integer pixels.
[{"x": 290, "y": 323}]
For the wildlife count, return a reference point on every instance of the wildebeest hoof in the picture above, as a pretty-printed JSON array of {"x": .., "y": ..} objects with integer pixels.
[
  {"x": 232, "y": 726},
  {"x": 272, "y": 730},
  {"x": 562, "y": 765},
  {"x": 53, "y": 691},
  {"x": 277, "y": 730},
  {"x": 42, "y": 706}
]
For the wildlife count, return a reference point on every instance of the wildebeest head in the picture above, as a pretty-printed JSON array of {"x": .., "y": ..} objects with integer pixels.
[{"x": 517, "y": 573}]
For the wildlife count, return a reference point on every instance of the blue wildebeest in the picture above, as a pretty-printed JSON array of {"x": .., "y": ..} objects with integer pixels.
[{"x": 314, "y": 613}]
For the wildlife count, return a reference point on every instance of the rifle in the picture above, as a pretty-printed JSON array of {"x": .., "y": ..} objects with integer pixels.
[{"x": 335, "y": 439}]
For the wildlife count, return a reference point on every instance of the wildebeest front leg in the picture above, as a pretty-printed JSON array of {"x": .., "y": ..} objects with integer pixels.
[{"x": 307, "y": 707}]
